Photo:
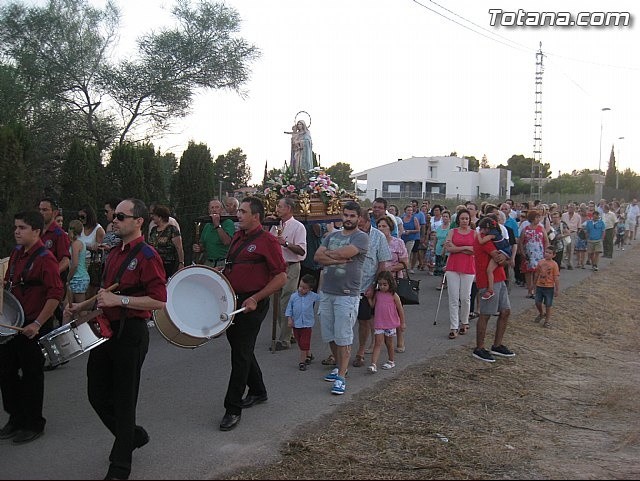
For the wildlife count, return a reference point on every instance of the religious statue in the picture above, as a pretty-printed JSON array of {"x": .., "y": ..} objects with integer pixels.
[{"x": 301, "y": 147}]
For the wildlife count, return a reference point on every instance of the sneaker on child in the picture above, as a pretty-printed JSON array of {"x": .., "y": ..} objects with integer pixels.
[
  {"x": 332, "y": 376},
  {"x": 389, "y": 365},
  {"x": 339, "y": 386},
  {"x": 372, "y": 368}
]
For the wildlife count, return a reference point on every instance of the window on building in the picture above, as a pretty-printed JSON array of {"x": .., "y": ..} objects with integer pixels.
[{"x": 433, "y": 172}]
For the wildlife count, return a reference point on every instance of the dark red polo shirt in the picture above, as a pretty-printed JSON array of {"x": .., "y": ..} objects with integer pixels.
[
  {"x": 43, "y": 280},
  {"x": 57, "y": 241},
  {"x": 264, "y": 254},
  {"x": 144, "y": 276}
]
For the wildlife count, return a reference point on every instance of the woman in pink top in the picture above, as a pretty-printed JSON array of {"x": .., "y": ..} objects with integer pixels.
[
  {"x": 460, "y": 273},
  {"x": 398, "y": 263}
]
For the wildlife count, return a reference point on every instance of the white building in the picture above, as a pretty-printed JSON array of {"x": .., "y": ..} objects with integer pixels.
[{"x": 434, "y": 177}]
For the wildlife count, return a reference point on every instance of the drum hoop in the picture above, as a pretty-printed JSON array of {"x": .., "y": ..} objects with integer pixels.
[
  {"x": 18, "y": 308},
  {"x": 214, "y": 274}
]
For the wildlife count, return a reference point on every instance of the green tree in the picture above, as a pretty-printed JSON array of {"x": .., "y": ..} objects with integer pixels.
[
  {"x": 484, "y": 162},
  {"x": 612, "y": 171},
  {"x": 232, "y": 170},
  {"x": 125, "y": 172},
  {"x": 340, "y": 173},
  {"x": 61, "y": 50},
  {"x": 520, "y": 166},
  {"x": 474, "y": 164},
  {"x": 13, "y": 195},
  {"x": 192, "y": 190},
  {"x": 79, "y": 176},
  {"x": 571, "y": 184},
  {"x": 154, "y": 179}
]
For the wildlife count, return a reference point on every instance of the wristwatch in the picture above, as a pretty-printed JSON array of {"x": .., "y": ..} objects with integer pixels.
[
  {"x": 124, "y": 301},
  {"x": 219, "y": 226},
  {"x": 286, "y": 243}
]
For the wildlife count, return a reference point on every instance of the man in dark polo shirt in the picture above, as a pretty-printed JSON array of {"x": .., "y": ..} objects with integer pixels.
[
  {"x": 32, "y": 277},
  {"x": 113, "y": 369},
  {"x": 499, "y": 302},
  {"x": 255, "y": 269},
  {"x": 54, "y": 238}
]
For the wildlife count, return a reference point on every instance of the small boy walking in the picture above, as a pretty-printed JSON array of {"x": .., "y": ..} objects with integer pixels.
[
  {"x": 547, "y": 279},
  {"x": 301, "y": 317}
]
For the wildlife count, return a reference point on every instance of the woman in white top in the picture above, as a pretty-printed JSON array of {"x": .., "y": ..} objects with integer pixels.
[{"x": 91, "y": 236}]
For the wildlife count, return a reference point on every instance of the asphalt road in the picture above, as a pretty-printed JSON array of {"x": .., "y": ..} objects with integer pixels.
[{"x": 181, "y": 401}]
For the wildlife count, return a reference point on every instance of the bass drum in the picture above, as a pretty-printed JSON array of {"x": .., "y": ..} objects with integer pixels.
[
  {"x": 11, "y": 314},
  {"x": 199, "y": 300}
]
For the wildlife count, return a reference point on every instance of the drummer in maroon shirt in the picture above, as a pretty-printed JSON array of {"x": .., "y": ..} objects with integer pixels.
[
  {"x": 113, "y": 369},
  {"x": 39, "y": 289},
  {"x": 255, "y": 269},
  {"x": 54, "y": 238}
]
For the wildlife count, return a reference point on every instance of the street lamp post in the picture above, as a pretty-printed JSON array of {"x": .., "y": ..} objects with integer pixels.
[
  {"x": 604, "y": 109},
  {"x": 618, "y": 163}
]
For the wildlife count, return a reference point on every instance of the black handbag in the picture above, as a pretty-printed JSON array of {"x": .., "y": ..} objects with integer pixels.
[{"x": 408, "y": 290}]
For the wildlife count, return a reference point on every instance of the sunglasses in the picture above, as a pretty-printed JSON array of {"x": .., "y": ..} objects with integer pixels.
[
  {"x": 82, "y": 217},
  {"x": 120, "y": 216}
]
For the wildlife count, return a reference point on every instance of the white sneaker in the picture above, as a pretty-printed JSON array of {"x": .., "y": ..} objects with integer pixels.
[
  {"x": 412, "y": 271},
  {"x": 389, "y": 365},
  {"x": 372, "y": 368}
]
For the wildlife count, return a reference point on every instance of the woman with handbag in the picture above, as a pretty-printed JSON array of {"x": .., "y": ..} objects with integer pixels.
[
  {"x": 91, "y": 236},
  {"x": 460, "y": 273},
  {"x": 397, "y": 264}
]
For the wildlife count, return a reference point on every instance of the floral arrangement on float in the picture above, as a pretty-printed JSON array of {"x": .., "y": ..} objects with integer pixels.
[{"x": 315, "y": 193}]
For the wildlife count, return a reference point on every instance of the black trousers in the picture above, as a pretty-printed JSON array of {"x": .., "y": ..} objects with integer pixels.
[
  {"x": 245, "y": 371},
  {"x": 22, "y": 382},
  {"x": 113, "y": 373}
]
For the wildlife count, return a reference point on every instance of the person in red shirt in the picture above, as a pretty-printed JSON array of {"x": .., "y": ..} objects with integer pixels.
[
  {"x": 113, "y": 369},
  {"x": 499, "y": 302},
  {"x": 33, "y": 278},
  {"x": 255, "y": 269},
  {"x": 53, "y": 236}
]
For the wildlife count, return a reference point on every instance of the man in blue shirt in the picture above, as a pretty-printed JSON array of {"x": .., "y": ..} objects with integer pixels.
[{"x": 595, "y": 234}]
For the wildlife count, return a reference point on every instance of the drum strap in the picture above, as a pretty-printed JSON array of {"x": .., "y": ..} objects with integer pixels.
[
  {"x": 132, "y": 253},
  {"x": 22, "y": 283},
  {"x": 233, "y": 254}
]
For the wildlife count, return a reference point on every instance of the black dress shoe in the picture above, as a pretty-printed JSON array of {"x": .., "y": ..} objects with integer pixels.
[
  {"x": 26, "y": 436},
  {"x": 250, "y": 400},
  {"x": 8, "y": 431},
  {"x": 140, "y": 437},
  {"x": 229, "y": 421}
]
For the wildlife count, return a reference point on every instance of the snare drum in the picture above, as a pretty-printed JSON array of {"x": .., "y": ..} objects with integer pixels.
[
  {"x": 198, "y": 301},
  {"x": 70, "y": 341},
  {"x": 11, "y": 315}
]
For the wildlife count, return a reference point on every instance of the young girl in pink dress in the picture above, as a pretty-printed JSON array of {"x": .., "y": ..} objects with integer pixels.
[{"x": 387, "y": 317}]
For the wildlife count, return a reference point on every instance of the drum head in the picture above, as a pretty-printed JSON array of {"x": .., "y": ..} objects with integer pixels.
[
  {"x": 196, "y": 296},
  {"x": 12, "y": 314}
]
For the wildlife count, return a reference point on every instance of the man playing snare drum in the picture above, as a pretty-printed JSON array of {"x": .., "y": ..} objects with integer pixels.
[
  {"x": 255, "y": 269},
  {"x": 113, "y": 369},
  {"x": 33, "y": 278}
]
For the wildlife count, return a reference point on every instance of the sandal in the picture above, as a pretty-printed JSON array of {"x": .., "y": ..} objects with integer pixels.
[
  {"x": 302, "y": 366},
  {"x": 473, "y": 315},
  {"x": 453, "y": 334},
  {"x": 463, "y": 329},
  {"x": 309, "y": 359},
  {"x": 330, "y": 361},
  {"x": 401, "y": 349},
  {"x": 358, "y": 361}
]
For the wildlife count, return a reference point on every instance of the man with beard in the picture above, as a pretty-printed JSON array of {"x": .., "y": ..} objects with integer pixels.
[{"x": 342, "y": 254}]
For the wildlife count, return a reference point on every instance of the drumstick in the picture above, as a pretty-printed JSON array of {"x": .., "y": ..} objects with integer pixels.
[
  {"x": 111, "y": 288},
  {"x": 15, "y": 328}
]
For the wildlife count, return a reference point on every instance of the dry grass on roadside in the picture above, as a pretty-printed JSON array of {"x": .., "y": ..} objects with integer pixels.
[{"x": 565, "y": 408}]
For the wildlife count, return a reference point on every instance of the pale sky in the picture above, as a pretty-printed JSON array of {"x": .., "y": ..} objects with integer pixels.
[{"x": 390, "y": 79}]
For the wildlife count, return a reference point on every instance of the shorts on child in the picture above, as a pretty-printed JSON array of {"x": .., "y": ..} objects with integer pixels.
[
  {"x": 79, "y": 286},
  {"x": 544, "y": 294},
  {"x": 594, "y": 246},
  {"x": 303, "y": 337},
  {"x": 386, "y": 332},
  {"x": 337, "y": 318}
]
